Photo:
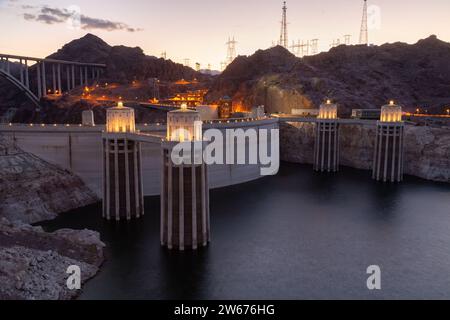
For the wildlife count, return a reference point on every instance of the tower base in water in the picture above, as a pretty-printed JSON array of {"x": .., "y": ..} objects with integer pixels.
[
  {"x": 326, "y": 148},
  {"x": 388, "y": 155},
  {"x": 122, "y": 178},
  {"x": 185, "y": 220}
]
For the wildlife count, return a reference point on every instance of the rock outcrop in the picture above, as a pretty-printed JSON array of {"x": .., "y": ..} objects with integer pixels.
[
  {"x": 355, "y": 76},
  {"x": 32, "y": 190},
  {"x": 33, "y": 263},
  {"x": 427, "y": 149}
]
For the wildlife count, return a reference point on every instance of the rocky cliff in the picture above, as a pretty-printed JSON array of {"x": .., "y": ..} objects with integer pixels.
[
  {"x": 427, "y": 149},
  {"x": 355, "y": 76},
  {"x": 33, "y": 263}
]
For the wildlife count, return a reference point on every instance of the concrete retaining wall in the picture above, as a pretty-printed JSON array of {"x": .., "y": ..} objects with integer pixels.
[{"x": 79, "y": 150}]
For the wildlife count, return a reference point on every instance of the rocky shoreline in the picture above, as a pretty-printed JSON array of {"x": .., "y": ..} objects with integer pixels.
[{"x": 33, "y": 263}]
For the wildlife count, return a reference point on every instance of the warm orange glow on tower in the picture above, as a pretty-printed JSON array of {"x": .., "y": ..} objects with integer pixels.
[
  {"x": 328, "y": 111},
  {"x": 120, "y": 119},
  {"x": 184, "y": 125},
  {"x": 391, "y": 113}
]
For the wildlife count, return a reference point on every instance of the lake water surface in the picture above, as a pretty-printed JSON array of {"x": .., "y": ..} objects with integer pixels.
[{"x": 297, "y": 235}]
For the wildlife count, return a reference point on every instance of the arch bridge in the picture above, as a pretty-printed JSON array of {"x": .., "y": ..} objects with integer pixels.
[{"x": 38, "y": 77}]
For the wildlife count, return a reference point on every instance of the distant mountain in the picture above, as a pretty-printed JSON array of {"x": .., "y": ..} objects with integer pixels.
[
  {"x": 123, "y": 63},
  {"x": 354, "y": 76}
]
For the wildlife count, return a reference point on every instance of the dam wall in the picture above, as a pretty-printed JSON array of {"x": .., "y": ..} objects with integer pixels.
[{"x": 79, "y": 149}]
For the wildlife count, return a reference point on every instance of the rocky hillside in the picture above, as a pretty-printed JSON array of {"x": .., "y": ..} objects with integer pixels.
[
  {"x": 123, "y": 63},
  {"x": 32, "y": 190},
  {"x": 354, "y": 76},
  {"x": 33, "y": 263}
]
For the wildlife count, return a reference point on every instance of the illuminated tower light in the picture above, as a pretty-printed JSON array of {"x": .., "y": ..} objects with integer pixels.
[
  {"x": 326, "y": 147},
  {"x": 122, "y": 169},
  {"x": 185, "y": 220},
  {"x": 388, "y": 155}
]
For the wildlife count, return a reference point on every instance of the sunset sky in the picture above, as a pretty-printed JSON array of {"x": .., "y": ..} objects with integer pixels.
[{"x": 198, "y": 29}]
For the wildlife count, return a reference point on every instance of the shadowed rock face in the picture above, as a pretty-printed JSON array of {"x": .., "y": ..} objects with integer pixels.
[
  {"x": 32, "y": 190},
  {"x": 354, "y": 76},
  {"x": 427, "y": 150},
  {"x": 33, "y": 263}
]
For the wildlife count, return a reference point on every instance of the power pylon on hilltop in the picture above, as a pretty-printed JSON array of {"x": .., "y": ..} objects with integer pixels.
[
  {"x": 336, "y": 42},
  {"x": 231, "y": 50},
  {"x": 284, "y": 33},
  {"x": 364, "y": 35},
  {"x": 347, "y": 38},
  {"x": 296, "y": 48},
  {"x": 314, "y": 46}
]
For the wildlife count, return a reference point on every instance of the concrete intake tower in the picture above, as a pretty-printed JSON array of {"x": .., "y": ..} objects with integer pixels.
[{"x": 122, "y": 175}]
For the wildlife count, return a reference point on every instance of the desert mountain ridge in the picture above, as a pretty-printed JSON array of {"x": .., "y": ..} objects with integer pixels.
[
  {"x": 123, "y": 63},
  {"x": 355, "y": 76}
]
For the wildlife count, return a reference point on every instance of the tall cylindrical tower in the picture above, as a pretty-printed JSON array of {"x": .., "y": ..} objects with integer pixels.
[
  {"x": 326, "y": 148},
  {"x": 388, "y": 155},
  {"x": 122, "y": 175},
  {"x": 185, "y": 220}
]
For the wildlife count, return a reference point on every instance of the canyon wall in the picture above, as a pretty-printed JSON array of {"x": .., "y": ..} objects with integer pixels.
[{"x": 427, "y": 149}]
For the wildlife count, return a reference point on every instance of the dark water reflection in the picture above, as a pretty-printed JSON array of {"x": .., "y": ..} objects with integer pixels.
[{"x": 296, "y": 235}]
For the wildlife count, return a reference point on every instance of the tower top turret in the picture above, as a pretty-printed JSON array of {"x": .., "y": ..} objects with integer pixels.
[
  {"x": 184, "y": 125},
  {"x": 120, "y": 119},
  {"x": 391, "y": 112},
  {"x": 328, "y": 110}
]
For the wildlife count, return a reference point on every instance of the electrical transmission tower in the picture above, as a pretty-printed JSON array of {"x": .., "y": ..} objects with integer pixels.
[
  {"x": 187, "y": 62},
  {"x": 284, "y": 33},
  {"x": 296, "y": 48},
  {"x": 364, "y": 35},
  {"x": 347, "y": 38},
  {"x": 164, "y": 55},
  {"x": 231, "y": 51},
  {"x": 335, "y": 43},
  {"x": 314, "y": 46},
  {"x": 305, "y": 48}
]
